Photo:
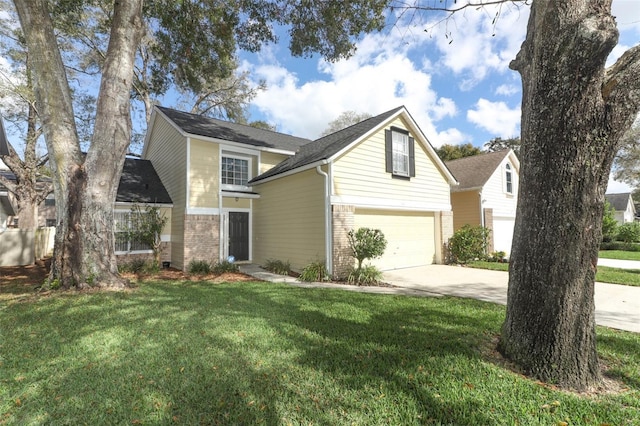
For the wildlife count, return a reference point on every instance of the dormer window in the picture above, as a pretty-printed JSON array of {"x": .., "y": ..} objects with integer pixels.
[
  {"x": 235, "y": 172},
  {"x": 508, "y": 179}
]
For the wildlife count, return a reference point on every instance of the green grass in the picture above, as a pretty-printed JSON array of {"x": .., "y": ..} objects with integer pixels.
[
  {"x": 619, "y": 254},
  {"x": 605, "y": 274},
  {"x": 256, "y": 353}
]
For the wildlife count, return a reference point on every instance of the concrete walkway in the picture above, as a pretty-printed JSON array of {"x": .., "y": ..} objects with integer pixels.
[
  {"x": 617, "y": 306},
  {"x": 622, "y": 264}
]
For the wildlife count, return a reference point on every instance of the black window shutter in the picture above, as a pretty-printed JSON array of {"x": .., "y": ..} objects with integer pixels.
[
  {"x": 412, "y": 157},
  {"x": 388, "y": 151}
]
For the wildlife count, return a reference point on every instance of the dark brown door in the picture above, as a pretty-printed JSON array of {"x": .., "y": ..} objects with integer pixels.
[{"x": 239, "y": 235}]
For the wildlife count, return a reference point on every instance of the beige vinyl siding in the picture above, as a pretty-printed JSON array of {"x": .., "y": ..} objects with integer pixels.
[
  {"x": 167, "y": 149},
  {"x": 203, "y": 174},
  {"x": 288, "y": 220},
  {"x": 361, "y": 172},
  {"x": 269, "y": 159},
  {"x": 466, "y": 209},
  {"x": 410, "y": 237},
  {"x": 233, "y": 203}
]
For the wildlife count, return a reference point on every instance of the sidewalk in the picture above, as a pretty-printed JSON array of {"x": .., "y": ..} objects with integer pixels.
[{"x": 622, "y": 264}]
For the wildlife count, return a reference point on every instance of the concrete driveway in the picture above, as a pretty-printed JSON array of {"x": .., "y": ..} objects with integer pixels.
[{"x": 617, "y": 306}]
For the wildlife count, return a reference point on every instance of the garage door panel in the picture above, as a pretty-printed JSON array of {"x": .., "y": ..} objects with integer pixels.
[
  {"x": 503, "y": 233},
  {"x": 410, "y": 237}
]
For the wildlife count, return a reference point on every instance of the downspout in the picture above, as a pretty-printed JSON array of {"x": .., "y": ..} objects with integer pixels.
[
  {"x": 481, "y": 209},
  {"x": 327, "y": 219}
]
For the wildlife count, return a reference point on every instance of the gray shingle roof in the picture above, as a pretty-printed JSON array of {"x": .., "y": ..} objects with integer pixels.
[
  {"x": 618, "y": 201},
  {"x": 325, "y": 147},
  {"x": 473, "y": 172},
  {"x": 233, "y": 132},
  {"x": 140, "y": 183}
]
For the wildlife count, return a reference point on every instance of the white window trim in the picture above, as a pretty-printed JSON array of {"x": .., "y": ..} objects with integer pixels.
[
  {"x": 405, "y": 142},
  {"x": 120, "y": 252},
  {"x": 228, "y": 187},
  {"x": 508, "y": 172}
]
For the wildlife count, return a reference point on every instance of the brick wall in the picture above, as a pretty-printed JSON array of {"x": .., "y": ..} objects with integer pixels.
[
  {"x": 201, "y": 238},
  {"x": 343, "y": 222}
]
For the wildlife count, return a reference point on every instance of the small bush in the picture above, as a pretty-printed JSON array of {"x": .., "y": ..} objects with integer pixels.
[
  {"x": 278, "y": 267},
  {"x": 367, "y": 275},
  {"x": 313, "y": 272},
  {"x": 199, "y": 267},
  {"x": 629, "y": 232},
  {"x": 224, "y": 266},
  {"x": 135, "y": 266},
  {"x": 497, "y": 256},
  {"x": 366, "y": 243},
  {"x": 469, "y": 243}
]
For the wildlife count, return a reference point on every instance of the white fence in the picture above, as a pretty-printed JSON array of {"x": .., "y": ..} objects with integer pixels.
[{"x": 23, "y": 246}]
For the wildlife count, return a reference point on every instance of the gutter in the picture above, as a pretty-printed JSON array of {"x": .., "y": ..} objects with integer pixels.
[{"x": 327, "y": 219}]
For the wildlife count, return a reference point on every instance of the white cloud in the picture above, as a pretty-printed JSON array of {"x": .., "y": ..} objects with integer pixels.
[
  {"x": 496, "y": 118},
  {"x": 473, "y": 45},
  {"x": 379, "y": 77},
  {"x": 507, "y": 89},
  {"x": 450, "y": 136},
  {"x": 616, "y": 187}
]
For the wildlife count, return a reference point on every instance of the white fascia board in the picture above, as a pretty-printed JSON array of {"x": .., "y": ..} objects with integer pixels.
[
  {"x": 209, "y": 211},
  {"x": 388, "y": 203},
  {"x": 292, "y": 172},
  {"x": 239, "y": 147}
]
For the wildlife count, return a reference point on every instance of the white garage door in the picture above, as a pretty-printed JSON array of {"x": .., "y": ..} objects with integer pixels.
[
  {"x": 410, "y": 237},
  {"x": 503, "y": 233}
]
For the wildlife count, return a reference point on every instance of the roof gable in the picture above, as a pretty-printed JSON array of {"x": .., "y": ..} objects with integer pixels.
[
  {"x": 475, "y": 171},
  {"x": 619, "y": 202},
  {"x": 198, "y": 125},
  {"x": 331, "y": 146},
  {"x": 139, "y": 183}
]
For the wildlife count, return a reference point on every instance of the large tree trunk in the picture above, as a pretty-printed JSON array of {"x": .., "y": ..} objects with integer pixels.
[
  {"x": 573, "y": 115},
  {"x": 84, "y": 187}
]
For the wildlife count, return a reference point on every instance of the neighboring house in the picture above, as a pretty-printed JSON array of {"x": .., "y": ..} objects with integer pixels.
[
  {"x": 256, "y": 194},
  {"x": 487, "y": 195},
  {"x": 625, "y": 210},
  {"x": 139, "y": 185}
]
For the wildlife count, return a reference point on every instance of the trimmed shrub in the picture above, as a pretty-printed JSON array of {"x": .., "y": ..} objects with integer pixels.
[
  {"x": 497, "y": 256},
  {"x": 366, "y": 243},
  {"x": 277, "y": 266},
  {"x": 199, "y": 267},
  {"x": 224, "y": 266},
  {"x": 617, "y": 245},
  {"x": 367, "y": 275},
  {"x": 314, "y": 272},
  {"x": 629, "y": 232},
  {"x": 469, "y": 243}
]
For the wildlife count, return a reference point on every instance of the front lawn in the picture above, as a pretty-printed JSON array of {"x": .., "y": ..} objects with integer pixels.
[
  {"x": 605, "y": 274},
  {"x": 619, "y": 254},
  {"x": 186, "y": 352}
]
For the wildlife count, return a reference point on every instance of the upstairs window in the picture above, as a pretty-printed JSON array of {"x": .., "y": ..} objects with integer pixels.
[
  {"x": 400, "y": 153},
  {"x": 508, "y": 179},
  {"x": 235, "y": 172}
]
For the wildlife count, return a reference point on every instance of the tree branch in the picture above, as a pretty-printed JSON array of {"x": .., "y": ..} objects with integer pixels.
[{"x": 621, "y": 90}]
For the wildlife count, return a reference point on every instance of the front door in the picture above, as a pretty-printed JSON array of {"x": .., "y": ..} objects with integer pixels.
[{"x": 239, "y": 235}]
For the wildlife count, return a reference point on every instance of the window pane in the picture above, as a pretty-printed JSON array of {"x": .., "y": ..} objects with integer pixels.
[
  {"x": 235, "y": 171},
  {"x": 400, "y": 146}
]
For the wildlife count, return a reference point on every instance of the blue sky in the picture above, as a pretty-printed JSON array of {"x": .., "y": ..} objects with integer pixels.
[{"x": 453, "y": 78}]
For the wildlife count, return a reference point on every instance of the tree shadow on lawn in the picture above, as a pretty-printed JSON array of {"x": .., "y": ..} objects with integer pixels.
[{"x": 246, "y": 354}]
